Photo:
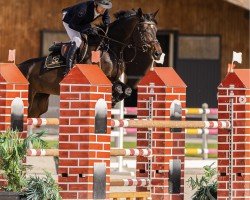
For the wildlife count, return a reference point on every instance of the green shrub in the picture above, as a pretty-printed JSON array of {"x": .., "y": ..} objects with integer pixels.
[
  {"x": 12, "y": 152},
  {"x": 13, "y": 149},
  {"x": 42, "y": 188},
  {"x": 206, "y": 186}
]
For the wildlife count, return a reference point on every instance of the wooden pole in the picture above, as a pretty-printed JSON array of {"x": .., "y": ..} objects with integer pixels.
[{"x": 168, "y": 124}]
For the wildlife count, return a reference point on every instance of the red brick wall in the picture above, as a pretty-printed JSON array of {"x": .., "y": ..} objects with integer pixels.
[
  {"x": 79, "y": 146},
  {"x": 239, "y": 177},
  {"x": 165, "y": 145},
  {"x": 12, "y": 85}
]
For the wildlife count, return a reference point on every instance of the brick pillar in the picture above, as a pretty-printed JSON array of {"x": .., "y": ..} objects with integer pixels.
[
  {"x": 12, "y": 84},
  {"x": 164, "y": 86},
  {"x": 80, "y": 147},
  {"x": 236, "y": 86}
]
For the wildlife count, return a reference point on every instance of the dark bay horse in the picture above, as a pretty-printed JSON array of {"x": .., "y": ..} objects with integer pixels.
[{"x": 131, "y": 32}]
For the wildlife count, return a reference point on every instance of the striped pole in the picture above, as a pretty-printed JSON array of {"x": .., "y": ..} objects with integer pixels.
[
  {"x": 113, "y": 152},
  {"x": 200, "y": 131},
  {"x": 129, "y": 182},
  {"x": 130, "y": 130},
  {"x": 119, "y": 152},
  {"x": 191, "y": 131},
  {"x": 138, "y": 123},
  {"x": 42, "y": 152},
  {"x": 200, "y": 151},
  {"x": 200, "y": 111},
  {"x": 129, "y": 195},
  {"x": 130, "y": 152},
  {"x": 130, "y": 110},
  {"x": 42, "y": 121},
  {"x": 188, "y": 111}
]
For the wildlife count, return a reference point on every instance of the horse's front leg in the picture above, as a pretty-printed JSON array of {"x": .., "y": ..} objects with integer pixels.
[
  {"x": 127, "y": 91},
  {"x": 106, "y": 64},
  {"x": 88, "y": 56},
  {"x": 120, "y": 91}
]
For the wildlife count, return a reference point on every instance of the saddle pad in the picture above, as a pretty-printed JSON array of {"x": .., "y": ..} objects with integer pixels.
[{"x": 45, "y": 67}]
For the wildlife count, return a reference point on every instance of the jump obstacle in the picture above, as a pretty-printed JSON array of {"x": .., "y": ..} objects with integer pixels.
[
  {"x": 203, "y": 128},
  {"x": 204, "y": 113},
  {"x": 118, "y": 152},
  {"x": 164, "y": 170},
  {"x": 131, "y": 152},
  {"x": 188, "y": 111}
]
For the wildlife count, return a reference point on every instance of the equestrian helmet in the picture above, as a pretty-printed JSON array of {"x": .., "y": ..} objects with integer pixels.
[{"x": 104, "y": 3}]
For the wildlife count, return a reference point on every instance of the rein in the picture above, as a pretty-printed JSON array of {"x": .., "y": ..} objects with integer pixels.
[
  {"x": 143, "y": 48},
  {"x": 146, "y": 45}
]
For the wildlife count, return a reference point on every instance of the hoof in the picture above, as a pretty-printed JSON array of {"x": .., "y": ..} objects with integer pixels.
[
  {"x": 118, "y": 89},
  {"x": 128, "y": 92}
]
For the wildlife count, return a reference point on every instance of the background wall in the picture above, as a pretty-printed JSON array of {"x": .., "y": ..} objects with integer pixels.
[{"x": 22, "y": 22}]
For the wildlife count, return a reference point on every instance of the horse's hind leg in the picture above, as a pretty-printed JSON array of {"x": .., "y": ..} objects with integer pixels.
[{"x": 40, "y": 104}]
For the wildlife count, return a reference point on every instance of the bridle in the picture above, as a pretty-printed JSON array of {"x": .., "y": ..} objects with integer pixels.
[{"x": 146, "y": 45}]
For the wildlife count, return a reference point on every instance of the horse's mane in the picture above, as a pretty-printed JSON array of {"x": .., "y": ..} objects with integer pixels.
[
  {"x": 127, "y": 14},
  {"x": 124, "y": 14}
]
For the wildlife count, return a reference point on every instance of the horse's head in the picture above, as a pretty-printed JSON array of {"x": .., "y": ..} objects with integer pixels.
[{"x": 145, "y": 34}]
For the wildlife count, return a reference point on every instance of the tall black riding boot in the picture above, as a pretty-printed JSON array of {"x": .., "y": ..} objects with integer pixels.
[{"x": 70, "y": 57}]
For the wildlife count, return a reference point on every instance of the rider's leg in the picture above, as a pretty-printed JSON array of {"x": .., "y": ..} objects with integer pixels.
[
  {"x": 70, "y": 57},
  {"x": 76, "y": 42}
]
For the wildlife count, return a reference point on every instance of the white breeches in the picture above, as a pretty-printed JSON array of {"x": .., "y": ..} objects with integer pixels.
[{"x": 74, "y": 36}]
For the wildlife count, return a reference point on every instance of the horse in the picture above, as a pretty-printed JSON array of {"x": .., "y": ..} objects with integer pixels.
[{"x": 131, "y": 32}]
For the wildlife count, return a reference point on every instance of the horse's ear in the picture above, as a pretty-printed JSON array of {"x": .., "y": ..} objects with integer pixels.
[
  {"x": 154, "y": 14},
  {"x": 139, "y": 12}
]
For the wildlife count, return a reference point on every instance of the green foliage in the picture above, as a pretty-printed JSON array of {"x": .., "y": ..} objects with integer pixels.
[
  {"x": 206, "y": 186},
  {"x": 42, "y": 188},
  {"x": 12, "y": 152}
]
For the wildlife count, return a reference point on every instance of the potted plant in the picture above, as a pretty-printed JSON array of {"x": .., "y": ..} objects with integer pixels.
[
  {"x": 42, "y": 188},
  {"x": 206, "y": 186},
  {"x": 13, "y": 150}
]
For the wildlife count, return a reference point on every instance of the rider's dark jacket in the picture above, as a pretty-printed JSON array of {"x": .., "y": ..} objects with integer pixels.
[{"x": 81, "y": 15}]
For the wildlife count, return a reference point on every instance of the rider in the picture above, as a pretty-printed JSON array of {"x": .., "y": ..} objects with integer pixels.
[{"x": 77, "y": 20}]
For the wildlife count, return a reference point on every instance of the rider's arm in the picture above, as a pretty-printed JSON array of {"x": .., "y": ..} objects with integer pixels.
[
  {"x": 106, "y": 18},
  {"x": 78, "y": 17}
]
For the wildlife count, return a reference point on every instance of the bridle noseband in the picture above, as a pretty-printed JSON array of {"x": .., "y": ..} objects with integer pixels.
[{"x": 146, "y": 45}]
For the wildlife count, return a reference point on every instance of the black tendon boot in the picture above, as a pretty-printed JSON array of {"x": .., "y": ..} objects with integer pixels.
[
  {"x": 116, "y": 93},
  {"x": 70, "y": 57}
]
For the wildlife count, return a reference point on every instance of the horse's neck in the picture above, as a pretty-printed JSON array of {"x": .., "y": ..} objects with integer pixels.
[{"x": 123, "y": 31}]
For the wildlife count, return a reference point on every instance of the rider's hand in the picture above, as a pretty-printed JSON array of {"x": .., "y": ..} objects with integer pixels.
[
  {"x": 106, "y": 27},
  {"x": 93, "y": 31}
]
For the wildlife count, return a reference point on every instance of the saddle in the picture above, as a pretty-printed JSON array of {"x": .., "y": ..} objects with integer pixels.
[{"x": 58, "y": 54}]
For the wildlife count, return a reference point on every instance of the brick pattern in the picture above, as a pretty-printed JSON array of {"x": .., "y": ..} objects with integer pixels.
[
  {"x": 7, "y": 94},
  {"x": 165, "y": 144},
  {"x": 9, "y": 91},
  {"x": 79, "y": 146},
  {"x": 239, "y": 186},
  {"x": 233, "y": 145}
]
